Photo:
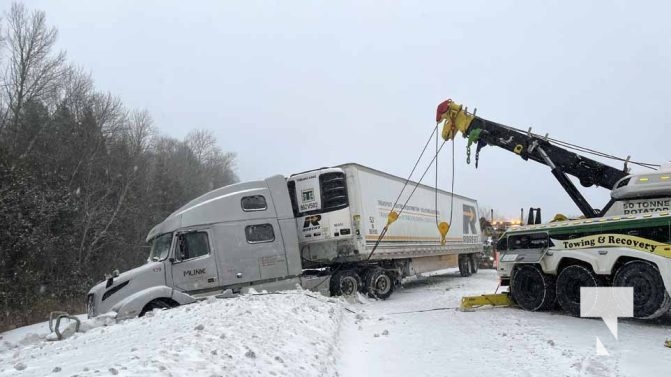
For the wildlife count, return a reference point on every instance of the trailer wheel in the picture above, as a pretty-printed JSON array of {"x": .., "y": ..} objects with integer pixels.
[
  {"x": 569, "y": 281},
  {"x": 378, "y": 283},
  {"x": 474, "y": 263},
  {"x": 465, "y": 265},
  {"x": 345, "y": 283},
  {"x": 531, "y": 289},
  {"x": 650, "y": 297}
]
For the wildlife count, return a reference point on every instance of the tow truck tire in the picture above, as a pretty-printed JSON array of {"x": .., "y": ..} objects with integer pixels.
[
  {"x": 650, "y": 297},
  {"x": 465, "y": 265},
  {"x": 569, "y": 281},
  {"x": 474, "y": 263},
  {"x": 532, "y": 289},
  {"x": 378, "y": 283},
  {"x": 345, "y": 283}
]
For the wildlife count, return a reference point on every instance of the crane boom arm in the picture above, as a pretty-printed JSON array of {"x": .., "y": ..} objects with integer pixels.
[{"x": 530, "y": 147}]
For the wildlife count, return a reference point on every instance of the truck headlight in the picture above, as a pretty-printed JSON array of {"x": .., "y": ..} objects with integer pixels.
[{"x": 491, "y": 258}]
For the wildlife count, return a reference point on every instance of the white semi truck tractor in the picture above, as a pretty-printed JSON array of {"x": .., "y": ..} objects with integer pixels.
[{"x": 319, "y": 230}]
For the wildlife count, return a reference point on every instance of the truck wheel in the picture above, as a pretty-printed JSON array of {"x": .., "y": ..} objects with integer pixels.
[
  {"x": 531, "y": 289},
  {"x": 345, "y": 283},
  {"x": 569, "y": 281},
  {"x": 464, "y": 265},
  {"x": 650, "y": 297},
  {"x": 378, "y": 283},
  {"x": 156, "y": 304},
  {"x": 474, "y": 263}
]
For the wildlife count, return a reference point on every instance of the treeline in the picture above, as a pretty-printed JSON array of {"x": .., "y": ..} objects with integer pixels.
[{"x": 82, "y": 177}]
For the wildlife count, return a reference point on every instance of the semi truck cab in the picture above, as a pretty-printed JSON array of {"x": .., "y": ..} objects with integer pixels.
[{"x": 238, "y": 236}]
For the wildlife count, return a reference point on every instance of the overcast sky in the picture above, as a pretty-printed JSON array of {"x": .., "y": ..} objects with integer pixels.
[{"x": 295, "y": 85}]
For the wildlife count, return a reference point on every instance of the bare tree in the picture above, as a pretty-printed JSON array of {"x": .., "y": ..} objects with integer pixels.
[
  {"x": 3, "y": 99},
  {"x": 33, "y": 72},
  {"x": 76, "y": 90},
  {"x": 108, "y": 112},
  {"x": 139, "y": 132},
  {"x": 203, "y": 144}
]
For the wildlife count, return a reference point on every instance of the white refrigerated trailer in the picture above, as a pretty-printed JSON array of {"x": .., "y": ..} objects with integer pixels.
[
  {"x": 340, "y": 213},
  {"x": 317, "y": 229}
]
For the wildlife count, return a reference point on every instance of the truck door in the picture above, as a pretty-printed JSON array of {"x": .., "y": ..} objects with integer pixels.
[
  {"x": 254, "y": 251},
  {"x": 194, "y": 269}
]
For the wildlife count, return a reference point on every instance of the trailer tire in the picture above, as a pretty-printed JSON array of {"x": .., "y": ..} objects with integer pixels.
[
  {"x": 650, "y": 297},
  {"x": 464, "y": 265},
  {"x": 345, "y": 283},
  {"x": 474, "y": 263},
  {"x": 378, "y": 283},
  {"x": 569, "y": 282},
  {"x": 532, "y": 289}
]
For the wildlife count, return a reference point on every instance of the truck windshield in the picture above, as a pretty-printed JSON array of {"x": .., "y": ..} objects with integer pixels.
[{"x": 160, "y": 247}]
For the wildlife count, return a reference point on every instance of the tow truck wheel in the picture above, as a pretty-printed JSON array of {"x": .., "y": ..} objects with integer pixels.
[
  {"x": 345, "y": 283},
  {"x": 531, "y": 289},
  {"x": 378, "y": 283},
  {"x": 650, "y": 297},
  {"x": 465, "y": 265},
  {"x": 569, "y": 281}
]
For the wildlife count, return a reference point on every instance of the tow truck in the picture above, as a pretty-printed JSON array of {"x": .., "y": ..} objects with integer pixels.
[{"x": 626, "y": 243}]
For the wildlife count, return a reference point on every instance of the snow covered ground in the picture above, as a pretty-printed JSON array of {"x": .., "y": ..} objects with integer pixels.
[
  {"x": 293, "y": 334},
  {"x": 404, "y": 336},
  {"x": 417, "y": 332}
]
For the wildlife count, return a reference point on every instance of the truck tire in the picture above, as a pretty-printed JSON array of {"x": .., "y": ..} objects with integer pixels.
[
  {"x": 378, "y": 283},
  {"x": 650, "y": 297},
  {"x": 532, "y": 289},
  {"x": 475, "y": 262},
  {"x": 157, "y": 304},
  {"x": 345, "y": 283},
  {"x": 569, "y": 281},
  {"x": 464, "y": 265}
]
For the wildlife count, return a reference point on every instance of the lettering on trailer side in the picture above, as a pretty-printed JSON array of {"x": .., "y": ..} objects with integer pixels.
[
  {"x": 311, "y": 221},
  {"x": 409, "y": 213},
  {"x": 470, "y": 217}
]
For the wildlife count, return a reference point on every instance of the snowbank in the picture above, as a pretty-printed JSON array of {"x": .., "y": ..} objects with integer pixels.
[{"x": 289, "y": 334}]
